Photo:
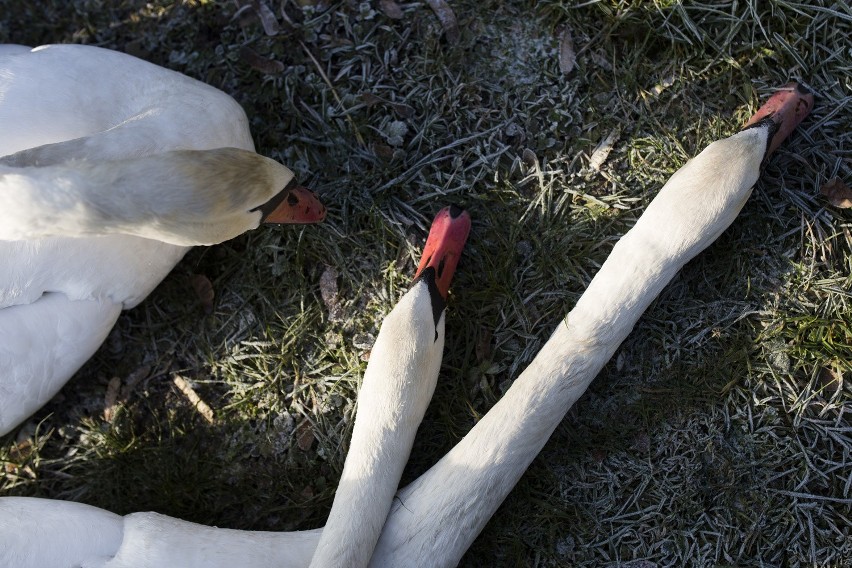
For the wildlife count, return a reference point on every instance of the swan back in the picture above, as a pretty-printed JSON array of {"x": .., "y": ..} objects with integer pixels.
[{"x": 57, "y": 93}]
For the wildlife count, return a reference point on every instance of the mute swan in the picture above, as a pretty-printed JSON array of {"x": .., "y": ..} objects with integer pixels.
[
  {"x": 395, "y": 392},
  {"x": 393, "y": 397},
  {"x": 435, "y": 519},
  {"x": 110, "y": 167}
]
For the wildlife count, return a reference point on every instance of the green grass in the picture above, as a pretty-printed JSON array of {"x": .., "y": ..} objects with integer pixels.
[{"x": 714, "y": 437}]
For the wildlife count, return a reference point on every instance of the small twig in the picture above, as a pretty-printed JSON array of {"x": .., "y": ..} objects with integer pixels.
[{"x": 183, "y": 386}]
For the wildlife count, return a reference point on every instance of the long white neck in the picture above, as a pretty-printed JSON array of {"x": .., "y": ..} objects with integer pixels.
[
  {"x": 395, "y": 392},
  {"x": 437, "y": 517}
]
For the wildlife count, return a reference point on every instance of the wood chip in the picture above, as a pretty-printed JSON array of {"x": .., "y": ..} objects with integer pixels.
[
  {"x": 448, "y": 20},
  {"x": 262, "y": 64},
  {"x": 837, "y": 192},
  {"x": 203, "y": 291},
  {"x": 390, "y": 9},
  {"x": 567, "y": 57},
  {"x": 183, "y": 386},
  {"x": 111, "y": 399}
]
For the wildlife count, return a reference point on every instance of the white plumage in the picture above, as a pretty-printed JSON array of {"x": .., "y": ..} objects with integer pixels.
[
  {"x": 100, "y": 196},
  {"x": 435, "y": 519}
]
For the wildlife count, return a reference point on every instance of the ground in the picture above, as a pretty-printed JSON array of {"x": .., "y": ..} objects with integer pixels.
[{"x": 718, "y": 434}]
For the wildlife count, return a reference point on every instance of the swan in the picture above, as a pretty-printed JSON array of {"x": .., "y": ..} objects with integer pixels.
[
  {"x": 433, "y": 521},
  {"x": 396, "y": 389},
  {"x": 110, "y": 168}
]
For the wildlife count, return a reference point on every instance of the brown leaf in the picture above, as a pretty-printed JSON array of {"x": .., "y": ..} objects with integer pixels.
[
  {"x": 383, "y": 151},
  {"x": 329, "y": 292},
  {"x": 567, "y": 57},
  {"x": 829, "y": 380},
  {"x": 483, "y": 345},
  {"x": 837, "y": 192},
  {"x": 447, "y": 18},
  {"x": 304, "y": 436},
  {"x": 391, "y": 9},
  {"x": 262, "y": 64},
  {"x": 403, "y": 110},
  {"x": 203, "y": 290},
  {"x": 371, "y": 100},
  {"x": 111, "y": 398}
]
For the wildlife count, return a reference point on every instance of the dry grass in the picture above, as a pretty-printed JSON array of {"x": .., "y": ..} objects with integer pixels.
[{"x": 718, "y": 435}]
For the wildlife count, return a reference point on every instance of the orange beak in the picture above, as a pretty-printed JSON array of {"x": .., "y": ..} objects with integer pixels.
[
  {"x": 786, "y": 108},
  {"x": 298, "y": 205},
  {"x": 444, "y": 246}
]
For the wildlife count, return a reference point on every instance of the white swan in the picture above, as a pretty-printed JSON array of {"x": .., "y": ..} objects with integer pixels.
[
  {"x": 435, "y": 519},
  {"x": 103, "y": 186},
  {"x": 393, "y": 397}
]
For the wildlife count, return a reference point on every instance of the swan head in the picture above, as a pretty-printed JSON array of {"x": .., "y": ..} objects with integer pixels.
[
  {"x": 203, "y": 197},
  {"x": 781, "y": 114},
  {"x": 441, "y": 254}
]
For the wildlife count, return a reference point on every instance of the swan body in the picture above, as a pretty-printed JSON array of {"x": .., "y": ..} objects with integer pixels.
[
  {"x": 110, "y": 168},
  {"x": 41, "y": 533},
  {"x": 435, "y": 519}
]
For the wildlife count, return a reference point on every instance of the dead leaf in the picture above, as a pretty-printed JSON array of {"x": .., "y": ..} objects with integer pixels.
[
  {"x": 829, "y": 380},
  {"x": 483, "y": 345},
  {"x": 603, "y": 149},
  {"x": 134, "y": 379},
  {"x": 383, "y": 151},
  {"x": 267, "y": 18},
  {"x": 304, "y": 436},
  {"x": 111, "y": 399},
  {"x": 567, "y": 57},
  {"x": 447, "y": 18},
  {"x": 391, "y": 9},
  {"x": 329, "y": 292},
  {"x": 837, "y": 192},
  {"x": 203, "y": 291},
  {"x": 262, "y": 64},
  {"x": 371, "y": 100},
  {"x": 403, "y": 110}
]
